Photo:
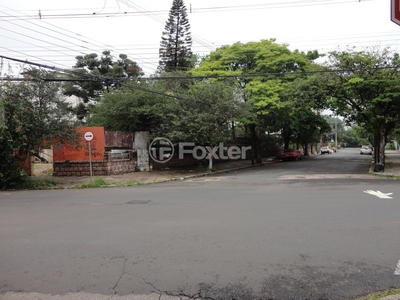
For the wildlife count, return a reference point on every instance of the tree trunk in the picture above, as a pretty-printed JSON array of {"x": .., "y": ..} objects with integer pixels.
[
  {"x": 379, "y": 149},
  {"x": 27, "y": 157},
  {"x": 305, "y": 150},
  {"x": 210, "y": 163},
  {"x": 286, "y": 139},
  {"x": 382, "y": 144},
  {"x": 376, "y": 147},
  {"x": 233, "y": 130},
  {"x": 253, "y": 143}
]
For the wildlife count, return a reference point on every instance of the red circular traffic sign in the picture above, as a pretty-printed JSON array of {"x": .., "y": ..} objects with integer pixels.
[
  {"x": 395, "y": 11},
  {"x": 88, "y": 136}
]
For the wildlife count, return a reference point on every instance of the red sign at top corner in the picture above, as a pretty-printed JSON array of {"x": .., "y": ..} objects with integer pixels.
[{"x": 395, "y": 11}]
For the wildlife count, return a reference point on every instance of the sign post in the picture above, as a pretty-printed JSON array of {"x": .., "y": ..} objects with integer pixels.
[
  {"x": 395, "y": 11},
  {"x": 89, "y": 136}
]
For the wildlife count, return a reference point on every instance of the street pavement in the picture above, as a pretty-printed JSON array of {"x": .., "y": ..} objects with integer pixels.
[{"x": 392, "y": 168}]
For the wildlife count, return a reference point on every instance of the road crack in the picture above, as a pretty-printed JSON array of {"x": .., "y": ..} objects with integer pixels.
[
  {"x": 180, "y": 294},
  {"x": 120, "y": 277}
]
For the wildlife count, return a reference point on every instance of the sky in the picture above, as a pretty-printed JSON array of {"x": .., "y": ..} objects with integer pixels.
[{"x": 54, "y": 32}]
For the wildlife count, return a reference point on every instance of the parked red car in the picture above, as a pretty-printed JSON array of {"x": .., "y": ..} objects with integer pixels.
[{"x": 291, "y": 154}]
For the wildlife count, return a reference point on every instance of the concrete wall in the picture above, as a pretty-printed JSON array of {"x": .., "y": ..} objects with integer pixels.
[{"x": 142, "y": 150}]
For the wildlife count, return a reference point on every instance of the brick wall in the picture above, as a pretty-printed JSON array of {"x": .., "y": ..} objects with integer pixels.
[
  {"x": 121, "y": 166},
  {"x": 99, "y": 168}
]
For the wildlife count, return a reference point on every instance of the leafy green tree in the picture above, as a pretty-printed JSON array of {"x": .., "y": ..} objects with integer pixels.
[
  {"x": 93, "y": 75},
  {"x": 298, "y": 117},
  {"x": 34, "y": 111},
  {"x": 261, "y": 71},
  {"x": 350, "y": 137},
  {"x": 176, "y": 41},
  {"x": 311, "y": 127},
  {"x": 9, "y": 174},
  {"x": 365, "y": 88},
  {"x": 356, "y": 136},
  {"x": 395, "y": 135},
  {"x": 201, "y": 113},
  {"x": 130, "y": 108},
  {"x": 203, "y": 117}
]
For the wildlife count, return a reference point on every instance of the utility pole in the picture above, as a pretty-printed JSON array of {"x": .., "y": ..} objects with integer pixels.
[{"x": 336, "y": 133}]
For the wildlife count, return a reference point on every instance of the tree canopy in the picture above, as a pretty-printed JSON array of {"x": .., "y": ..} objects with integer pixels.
[
  {"x": 34, "y": 111},
  {"x": 130, "y": 108},
  {"x": 176, "y": 41},
  {"x": 201, "y": 114},
  {"x": 262, "y": 72},
  {"x": 92, "y": 75},
  {"x": 364, "y": 87}
]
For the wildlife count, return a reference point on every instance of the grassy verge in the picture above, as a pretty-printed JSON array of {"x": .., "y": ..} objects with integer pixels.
[
  {"x": 101, "y": 183},
  {"x": 32, "y": 183},
  {"x": 126, "y": 183},
  {"x": 94, "y": 183},
  {"x": 394, "y": 177},
  {"x": 37, "y": 184},
  {"x": 380, "y": 295}
]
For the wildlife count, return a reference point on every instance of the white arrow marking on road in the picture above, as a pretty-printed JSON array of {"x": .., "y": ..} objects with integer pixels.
[
  {"x": 379, "y": 194},
  {"x": 397, "y": 272}
]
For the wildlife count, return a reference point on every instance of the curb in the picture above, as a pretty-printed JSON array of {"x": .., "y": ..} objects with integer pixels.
[{"x": 228, "y": 170}]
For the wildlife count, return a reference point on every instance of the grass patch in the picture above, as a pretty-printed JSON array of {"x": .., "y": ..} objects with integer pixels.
[
  {"x": 394, "y": 177},
  {"x": 94, "y": 183},
  {"x": 37, "y": 184},
  {"x": 380, "y": 295},
  {"x": 102, "y": 183},
  {"x": 126, "y": 183},
  {"x": 203, "y": 169}
]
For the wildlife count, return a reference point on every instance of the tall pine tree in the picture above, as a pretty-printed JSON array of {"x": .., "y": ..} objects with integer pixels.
[{"x": 176, "y": 42}]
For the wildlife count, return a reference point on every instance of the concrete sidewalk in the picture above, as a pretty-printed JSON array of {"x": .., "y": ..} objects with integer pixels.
[
  {"x": 392, "y": 164},
  {"x": 158, "y": 175}
]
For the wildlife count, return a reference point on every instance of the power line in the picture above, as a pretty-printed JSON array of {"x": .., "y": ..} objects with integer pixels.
[
  {"x": 89, "y": 77},
  {"x": 79, "y": 37},
  {"x": 209, "y": 76},
  {"x": 150, "y": 59},
  {"x": 317, "y": 40},
  {"x": 141, "y": 11}
]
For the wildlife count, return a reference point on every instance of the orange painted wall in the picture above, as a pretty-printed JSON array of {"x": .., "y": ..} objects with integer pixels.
[{"x": 65, "y": 152}]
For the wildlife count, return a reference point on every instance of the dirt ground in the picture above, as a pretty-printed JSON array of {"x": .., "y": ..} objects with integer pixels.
[{"x": 40, "y": 169}]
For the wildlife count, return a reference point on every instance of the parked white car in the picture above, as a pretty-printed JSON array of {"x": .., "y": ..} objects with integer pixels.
[
  {"x": 366, "y": 150},
  {"x": 326, "y": 150}
]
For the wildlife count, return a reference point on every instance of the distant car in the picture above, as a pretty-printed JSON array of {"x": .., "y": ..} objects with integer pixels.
[
  {"x": 326, "y": 150},
  {"x": 291, "y": 154},
  {"x": 366, "y": 150}
]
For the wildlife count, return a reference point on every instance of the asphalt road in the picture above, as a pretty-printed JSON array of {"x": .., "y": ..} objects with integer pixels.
[{"x": 291, "y": 230}]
